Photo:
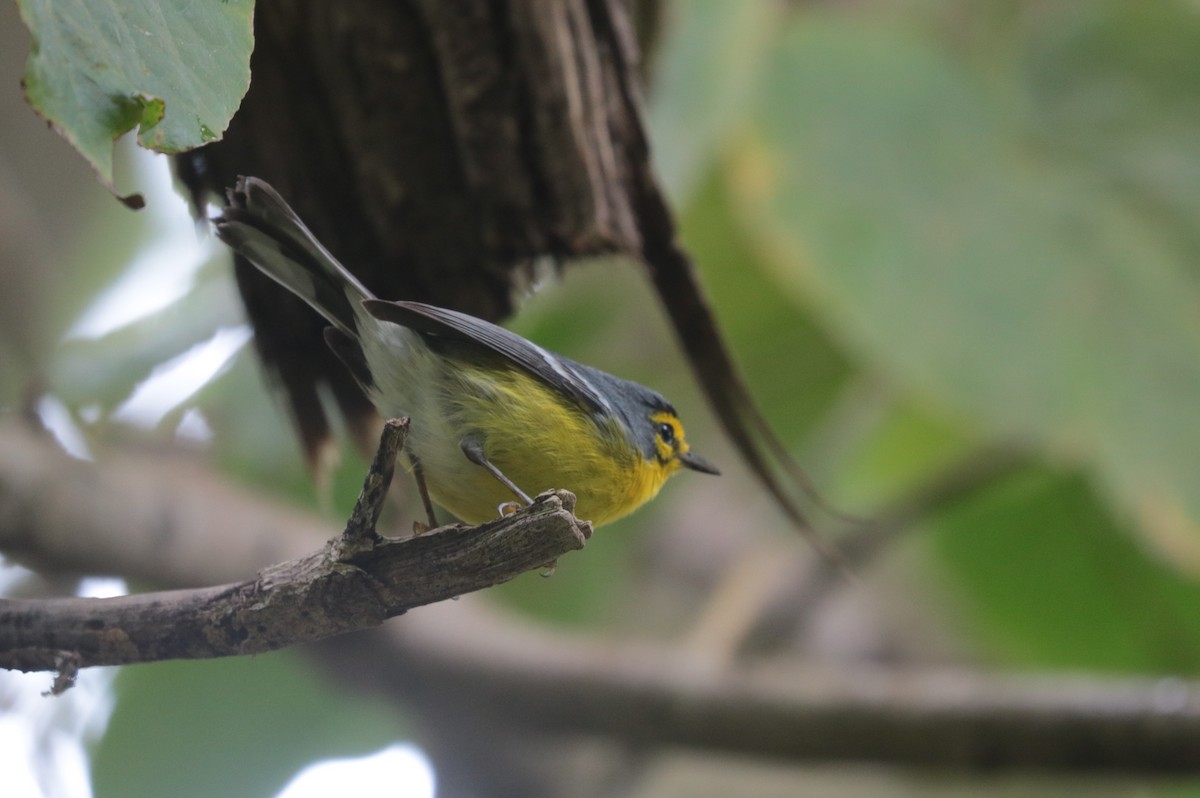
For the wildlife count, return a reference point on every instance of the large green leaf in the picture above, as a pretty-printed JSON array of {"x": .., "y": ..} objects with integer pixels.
[
  {"x": 793, "y": 369},
  {"x": 1050, "y": 580},
  {"x": 968, "y": 242},
  {"x": 702, "y": 83},
  {"x": 175, "y": 70}
]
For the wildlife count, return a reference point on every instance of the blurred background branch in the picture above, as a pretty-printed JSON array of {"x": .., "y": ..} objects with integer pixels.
[
  {"x": 475, "y": 665},
  {"x": 952, "y": 246}
]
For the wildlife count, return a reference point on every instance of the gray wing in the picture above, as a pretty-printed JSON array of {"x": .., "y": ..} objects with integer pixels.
[{"x": 561, "y": 374}]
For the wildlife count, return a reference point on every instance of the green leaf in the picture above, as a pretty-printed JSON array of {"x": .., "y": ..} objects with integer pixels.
[
  {"x": 702, "y": 85},
  {"x": 235, "y": 726},
  {"x": 792, "y": 367},
  {"x": 176, "y": 71},
  {"x": 1048, "y": 579},
  {"x": 901, "y": 450},
  {"x": 1007, "y": 275}
]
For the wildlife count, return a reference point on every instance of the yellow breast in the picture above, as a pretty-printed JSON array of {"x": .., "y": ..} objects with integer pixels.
[{"x": 540, "y": 441}]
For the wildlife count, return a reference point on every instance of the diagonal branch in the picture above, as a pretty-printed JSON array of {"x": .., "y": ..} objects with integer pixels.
[{"x": 356, "y": 581}]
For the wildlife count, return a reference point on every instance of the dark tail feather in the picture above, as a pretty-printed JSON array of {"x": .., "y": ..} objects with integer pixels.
[{"x": 260, "y": 227}]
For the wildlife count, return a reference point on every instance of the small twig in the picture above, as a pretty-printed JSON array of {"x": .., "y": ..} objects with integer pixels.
[
  {"x": 864, "y": 542},
  {"x": 789, "y": 587},
  {"x": 360, "y": 530},
  {"x": 977, "y": 470},
  {"x": 66, "y": 666}
]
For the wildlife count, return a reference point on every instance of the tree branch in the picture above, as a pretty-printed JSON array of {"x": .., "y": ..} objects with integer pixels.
[
  {"x": 357, "y": 581},
  {"x": 662, "y": 695},
  {"x": 160, "y": 518},
  {"x": 479, "y": 670}
]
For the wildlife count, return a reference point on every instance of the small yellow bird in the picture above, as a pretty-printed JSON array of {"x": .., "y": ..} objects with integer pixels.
[{"x": 494, "y": 416}]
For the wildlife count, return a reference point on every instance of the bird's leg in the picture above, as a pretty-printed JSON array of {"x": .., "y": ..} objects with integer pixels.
[
  {"x": 423, "y": 489},
  {"x": 473, "y": 449}
]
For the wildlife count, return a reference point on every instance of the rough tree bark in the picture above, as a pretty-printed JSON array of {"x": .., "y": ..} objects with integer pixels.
[
  {"x": 438, "y": 149},
  {"x": 356, "y": 581}
]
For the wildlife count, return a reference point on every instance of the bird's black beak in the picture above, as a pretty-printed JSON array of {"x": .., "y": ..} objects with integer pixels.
[{"x": 697, "y": 463}]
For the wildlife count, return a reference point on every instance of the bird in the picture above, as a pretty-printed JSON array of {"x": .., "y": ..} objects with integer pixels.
[{"x": 495, "y": 418}]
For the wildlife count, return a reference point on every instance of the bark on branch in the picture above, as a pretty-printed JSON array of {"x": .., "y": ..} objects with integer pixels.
[
  {"x": 486, "y": 673},
  {"x": 357, "y": 581}
]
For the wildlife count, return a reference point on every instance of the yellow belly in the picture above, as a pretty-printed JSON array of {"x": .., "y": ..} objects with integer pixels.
[{"x": 538, "y": 440}]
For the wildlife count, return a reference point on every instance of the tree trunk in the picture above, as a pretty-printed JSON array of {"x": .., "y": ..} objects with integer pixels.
[{"x": 438, "y": 150}]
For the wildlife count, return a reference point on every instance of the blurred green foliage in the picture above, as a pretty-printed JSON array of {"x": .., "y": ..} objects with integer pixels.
[
  {"x": 988, "y": 208},
  {"x": 1052, "y": 581},
  {"x": 927, "y": 227},
  {"x": 175, "y": 71},
  {"x": 99, "y": 371},
  {"x": 235, "y": 726},
  {"x": 971, "y": 221}
]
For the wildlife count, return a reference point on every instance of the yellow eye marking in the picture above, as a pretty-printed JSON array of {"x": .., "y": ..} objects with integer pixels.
[{"x": 668, "y": 440}]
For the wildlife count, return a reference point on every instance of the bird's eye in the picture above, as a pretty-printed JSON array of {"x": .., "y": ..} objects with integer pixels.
[{"x": 666, "y": 432}]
